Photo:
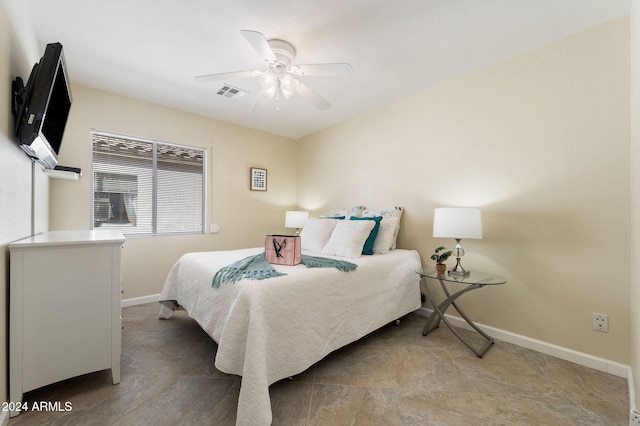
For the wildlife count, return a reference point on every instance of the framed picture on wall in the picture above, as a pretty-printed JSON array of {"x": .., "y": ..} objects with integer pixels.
[{"x": 258, "y": 179}]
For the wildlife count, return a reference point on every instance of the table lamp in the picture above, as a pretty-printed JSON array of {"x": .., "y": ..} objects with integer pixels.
[
  {"x": 295, "y": 219},
  {"x": 457, "y": 223}
]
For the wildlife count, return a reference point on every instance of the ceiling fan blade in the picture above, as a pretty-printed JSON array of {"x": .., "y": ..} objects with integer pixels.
[
  {"x": 224, "y": 76},
  {"x": 259, "y": 102},
  {"x": 322, "y": 69},
  {"x": 260, "y": 44},
  {"x": 311, "y": 96}
]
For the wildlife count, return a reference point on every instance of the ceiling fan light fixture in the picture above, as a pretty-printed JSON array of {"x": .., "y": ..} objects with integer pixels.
[
  {"x": 288, "y": 86},
  {"x": 269, "y": 92},
  {"x": 267, "y": 80},
  {"x": 288, "y": 94}
]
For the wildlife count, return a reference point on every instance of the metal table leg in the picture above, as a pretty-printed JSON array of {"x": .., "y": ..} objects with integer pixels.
[{"x": 439, "y": 309}]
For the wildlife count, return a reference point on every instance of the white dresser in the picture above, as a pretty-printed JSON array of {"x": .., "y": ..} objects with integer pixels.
[{"x": 65, "y": 314}]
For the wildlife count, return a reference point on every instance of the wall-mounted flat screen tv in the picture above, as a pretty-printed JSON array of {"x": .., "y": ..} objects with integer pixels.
[{"x": 42, "y": 107}]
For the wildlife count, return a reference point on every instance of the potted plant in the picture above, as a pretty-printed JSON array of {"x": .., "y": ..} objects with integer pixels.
[{"x": 440, "y": 257}]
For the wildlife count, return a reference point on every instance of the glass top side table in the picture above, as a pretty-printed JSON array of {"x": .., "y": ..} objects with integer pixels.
[{"x": 473, "y": 281}]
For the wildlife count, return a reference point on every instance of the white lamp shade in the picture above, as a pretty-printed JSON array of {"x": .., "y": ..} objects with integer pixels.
[
  {"x": 295, "y": 219},
  {"x": 457, "y": 222}
]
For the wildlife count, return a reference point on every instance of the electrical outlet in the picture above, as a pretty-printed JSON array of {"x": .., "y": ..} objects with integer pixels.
[
  {"x": 634, "y": 418},
  {"x": 601, "y": 322}
]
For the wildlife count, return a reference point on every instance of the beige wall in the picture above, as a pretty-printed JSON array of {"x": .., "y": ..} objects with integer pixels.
[
  {"x": 244, "y": 216},
  {"x": 19, "y": 202},
  {"x": 541, "y": 143}
]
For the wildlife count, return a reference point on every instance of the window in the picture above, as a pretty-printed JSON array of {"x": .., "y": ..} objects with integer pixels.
[{"x": 147, "y": 187}]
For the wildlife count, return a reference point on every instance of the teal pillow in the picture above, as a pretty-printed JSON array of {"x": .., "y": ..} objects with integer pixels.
[{"x": 368, "y": 244}]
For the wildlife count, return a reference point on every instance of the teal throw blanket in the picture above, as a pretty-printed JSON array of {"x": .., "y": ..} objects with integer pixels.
[{"x": 257, "y": 268}]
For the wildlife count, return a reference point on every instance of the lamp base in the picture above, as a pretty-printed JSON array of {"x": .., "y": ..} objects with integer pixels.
[{"x": 458, "y": 270}]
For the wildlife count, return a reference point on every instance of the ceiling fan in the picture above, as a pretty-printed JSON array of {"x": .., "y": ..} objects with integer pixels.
[{"x": 280, "y": 76}]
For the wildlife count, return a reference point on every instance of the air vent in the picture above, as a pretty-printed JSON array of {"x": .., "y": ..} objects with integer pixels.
[{"x": 231, "y": 92}]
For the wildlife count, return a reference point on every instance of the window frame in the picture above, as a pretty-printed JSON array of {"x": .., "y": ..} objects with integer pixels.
[{"x": 154, "y": 186}]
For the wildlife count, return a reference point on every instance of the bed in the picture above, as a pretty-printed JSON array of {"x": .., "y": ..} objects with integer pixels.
[{"x": 271, "y": 329}]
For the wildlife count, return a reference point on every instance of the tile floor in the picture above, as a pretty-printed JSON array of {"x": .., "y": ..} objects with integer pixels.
[{"x": 394, "y": 376}]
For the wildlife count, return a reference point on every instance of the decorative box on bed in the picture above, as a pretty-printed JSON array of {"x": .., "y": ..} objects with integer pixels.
[{"x": 283, "y": 249}]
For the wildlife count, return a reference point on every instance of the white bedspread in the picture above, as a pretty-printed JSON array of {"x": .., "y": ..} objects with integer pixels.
[{"x": 276, "y": 328}]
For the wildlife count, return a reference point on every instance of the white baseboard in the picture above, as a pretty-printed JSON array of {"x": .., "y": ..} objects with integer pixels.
[
  {"x": 579, "y": 358},
  {"x": 140, "y": 300},
  {"x": 633, "y": 411},
  {"x": 632, "y": 391}
]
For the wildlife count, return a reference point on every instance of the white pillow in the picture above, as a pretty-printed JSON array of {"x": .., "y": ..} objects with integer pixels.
[
  {"x": 386, "y": 233},
  {"x": 346, "y": 212},
  {"x": 316, "y": 233},
  {"x": 348, "y": 238},
  {"x": 357, "y": 211},
  {"x": 391, "y": 212},
  {"x": 339, "y": 213}
]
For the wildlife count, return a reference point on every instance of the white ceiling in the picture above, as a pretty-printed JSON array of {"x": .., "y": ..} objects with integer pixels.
[{"x": 152, "y": 49}]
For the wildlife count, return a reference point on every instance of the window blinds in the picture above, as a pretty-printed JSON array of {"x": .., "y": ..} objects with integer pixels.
[{"x": 147, "y": 187}]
